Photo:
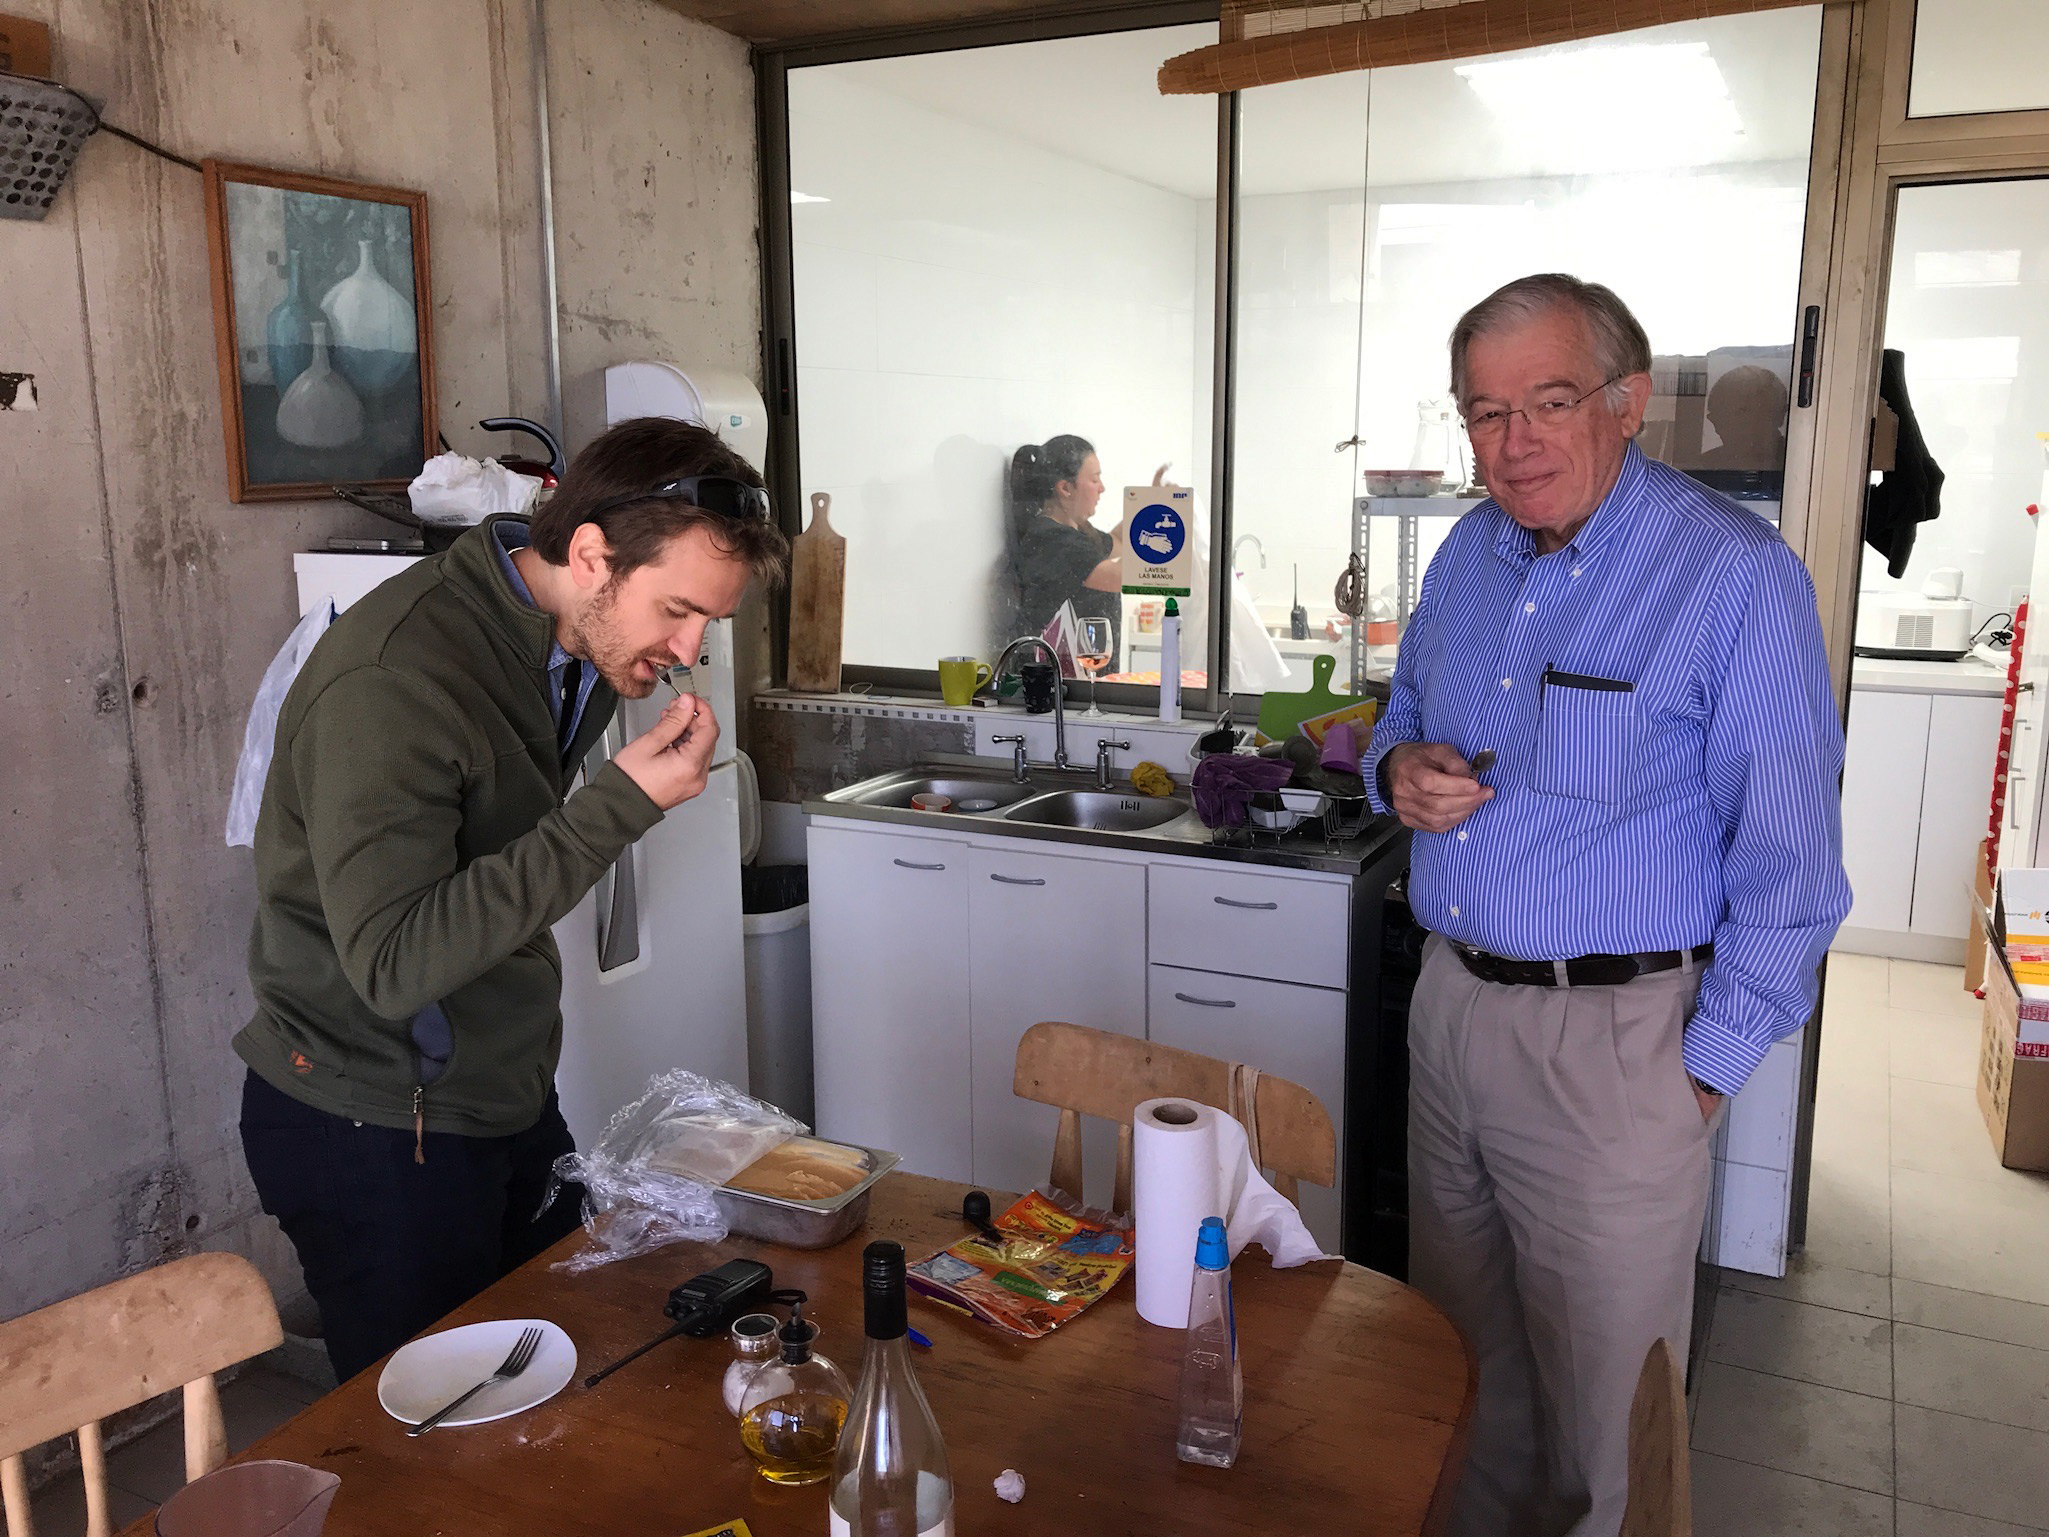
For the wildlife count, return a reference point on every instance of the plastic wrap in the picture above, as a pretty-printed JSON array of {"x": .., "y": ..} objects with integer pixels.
[
  {"x": 260, "y": 735},
  {"x": 649, "y": 1180}
]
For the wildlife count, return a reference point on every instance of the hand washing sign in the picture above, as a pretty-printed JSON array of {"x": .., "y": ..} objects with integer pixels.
[{"x": 1155, "y": 544}]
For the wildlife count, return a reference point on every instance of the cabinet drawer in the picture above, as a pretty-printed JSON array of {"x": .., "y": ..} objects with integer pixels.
[
  {"x": 1252, "y": 925},
  {"x": 1281, "y": 1028}
]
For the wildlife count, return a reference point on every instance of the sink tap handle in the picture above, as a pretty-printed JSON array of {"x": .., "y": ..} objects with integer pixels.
[
  {"x": 1020, "y": 769},
  {"x": 1104, "y": 747}
]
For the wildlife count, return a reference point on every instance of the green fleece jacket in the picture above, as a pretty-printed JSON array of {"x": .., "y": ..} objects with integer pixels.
[{"x": 413, "y": 848}]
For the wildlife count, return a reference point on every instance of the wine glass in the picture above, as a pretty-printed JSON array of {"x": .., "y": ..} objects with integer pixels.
[{"x": 1093, "y": 650}]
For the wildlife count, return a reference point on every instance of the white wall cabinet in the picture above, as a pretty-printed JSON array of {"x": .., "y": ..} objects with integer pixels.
[
  {"x": 889, "y": 1009},
  {"x": 1281, "y": 1028},
  {"x": 933, "y": 952},
  {"x": 1050, "y": 937},
  {"x": 1917, "y": 779}
]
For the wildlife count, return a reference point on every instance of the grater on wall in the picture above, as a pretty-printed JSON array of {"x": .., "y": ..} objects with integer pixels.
[{"x": 43, "y": 126}]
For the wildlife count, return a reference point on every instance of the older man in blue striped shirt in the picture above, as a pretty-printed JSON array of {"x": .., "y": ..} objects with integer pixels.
[{"x": 1613, "y": 732}]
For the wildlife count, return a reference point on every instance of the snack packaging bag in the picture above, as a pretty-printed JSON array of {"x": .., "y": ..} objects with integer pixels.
[{"x": 1055, "y": 1258}]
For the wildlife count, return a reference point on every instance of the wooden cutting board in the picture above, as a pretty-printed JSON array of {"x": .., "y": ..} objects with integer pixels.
[{"x": 818, "y": 594}]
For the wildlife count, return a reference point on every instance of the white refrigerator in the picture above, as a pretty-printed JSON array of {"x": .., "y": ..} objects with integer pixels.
[{"x": 652, "y": 961}]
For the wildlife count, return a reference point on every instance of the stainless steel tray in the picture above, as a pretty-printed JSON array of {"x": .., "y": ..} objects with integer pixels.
[{"x": 806, "y": 1224}]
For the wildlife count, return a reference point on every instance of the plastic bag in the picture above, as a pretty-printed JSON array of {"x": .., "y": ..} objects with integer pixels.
[
  {"x": 455, "y": 490},
  {"x": 259, "y": 737},
  {"x": 649, "y": 1180}
]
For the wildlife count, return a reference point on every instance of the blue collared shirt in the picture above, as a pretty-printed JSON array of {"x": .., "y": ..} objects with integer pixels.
[
  {"x": 1667, "y": 751},
  {"x": 513, "y": 536}
]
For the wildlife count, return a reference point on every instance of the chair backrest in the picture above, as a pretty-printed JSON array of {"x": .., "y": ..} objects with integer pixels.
[
  {"x": 1660, "y": 1470},
  {"x": 1100, "y": 1073},
  {"x": 68, "y": 1366}
]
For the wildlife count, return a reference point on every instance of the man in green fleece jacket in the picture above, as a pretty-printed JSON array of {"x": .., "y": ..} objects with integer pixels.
[{"x": 419, "y": 835}]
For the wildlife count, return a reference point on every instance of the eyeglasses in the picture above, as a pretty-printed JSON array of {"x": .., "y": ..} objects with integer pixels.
[
  {"x": 1548, "y": 414},
  {"x": 720, "y": 494}
]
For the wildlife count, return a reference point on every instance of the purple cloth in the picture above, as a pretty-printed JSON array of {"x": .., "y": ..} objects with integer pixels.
[{"x": 1224, "y": 784}]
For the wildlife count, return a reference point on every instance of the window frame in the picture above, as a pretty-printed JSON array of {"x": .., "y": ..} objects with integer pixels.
[{"x": 778, "y": 302}]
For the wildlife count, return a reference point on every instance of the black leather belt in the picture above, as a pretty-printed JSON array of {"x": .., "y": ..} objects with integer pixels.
[{"x": 1581, "y": 971}]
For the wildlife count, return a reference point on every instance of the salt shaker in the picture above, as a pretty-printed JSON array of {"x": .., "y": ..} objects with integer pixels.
[{"x": 754, "y": 1341}]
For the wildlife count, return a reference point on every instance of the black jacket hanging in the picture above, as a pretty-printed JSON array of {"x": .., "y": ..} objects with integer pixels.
[{"x": 1910, "y": 493}]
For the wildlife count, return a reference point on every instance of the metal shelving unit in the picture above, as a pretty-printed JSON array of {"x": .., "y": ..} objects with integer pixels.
[{"x": 1408, "y": 513}]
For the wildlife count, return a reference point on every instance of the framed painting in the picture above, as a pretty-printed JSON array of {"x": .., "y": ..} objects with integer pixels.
[{"x": 321, "y": 331}]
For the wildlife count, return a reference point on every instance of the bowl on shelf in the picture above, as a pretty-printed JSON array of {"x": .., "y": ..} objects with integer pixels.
[{"x": 1404, "y": 482}]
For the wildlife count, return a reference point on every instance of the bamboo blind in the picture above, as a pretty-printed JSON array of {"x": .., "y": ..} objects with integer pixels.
[{"x": 1270, "y": 41}]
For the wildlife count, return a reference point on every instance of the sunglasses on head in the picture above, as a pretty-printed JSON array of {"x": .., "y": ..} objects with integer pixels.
[{"x": 720, "y": 494}]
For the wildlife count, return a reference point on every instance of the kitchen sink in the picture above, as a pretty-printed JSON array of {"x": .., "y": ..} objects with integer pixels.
[
  {"x": 1099, "y": 810},
  {"x": 963, "y": 791}
]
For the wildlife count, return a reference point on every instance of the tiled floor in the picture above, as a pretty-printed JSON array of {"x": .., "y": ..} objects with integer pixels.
[
  {"x": 1896, "y": 1382},
  {"x": 146, "y": 1472}
]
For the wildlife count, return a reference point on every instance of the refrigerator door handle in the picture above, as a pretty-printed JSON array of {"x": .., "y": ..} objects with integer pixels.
[{"x": 618, "y": 913}]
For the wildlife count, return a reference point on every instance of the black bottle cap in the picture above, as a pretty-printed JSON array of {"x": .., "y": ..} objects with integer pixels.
[
  {"x": 882, "y": 1286},
  {"x": 975, "y": 1207},
  {"x": 797, "y": 1335}
]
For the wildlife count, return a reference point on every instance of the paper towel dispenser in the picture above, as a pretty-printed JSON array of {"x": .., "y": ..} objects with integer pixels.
[{"x": 717, "y": 398}]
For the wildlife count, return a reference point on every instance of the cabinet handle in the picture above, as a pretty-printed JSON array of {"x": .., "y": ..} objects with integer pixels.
[
  {"x": 1257, "y": 907},
  {"x": 1020, "y": 880},
  {"x": 1208, "y": 1003},
  {"x": 905, "y": 864}
]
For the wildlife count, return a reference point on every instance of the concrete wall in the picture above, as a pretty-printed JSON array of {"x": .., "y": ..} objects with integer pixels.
[{"x": 142, "y": 604}]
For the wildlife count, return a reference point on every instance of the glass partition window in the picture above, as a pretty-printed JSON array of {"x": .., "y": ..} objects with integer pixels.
[
  {"x": 1002, "y": 265},
  {"x": 1374, "y": 208},
  {"x": 1968, "y": 312},
  {"x": 1979, "y": 56}
]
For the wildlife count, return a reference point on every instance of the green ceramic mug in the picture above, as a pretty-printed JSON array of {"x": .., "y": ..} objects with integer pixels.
[{"x": 960, "y": 677}]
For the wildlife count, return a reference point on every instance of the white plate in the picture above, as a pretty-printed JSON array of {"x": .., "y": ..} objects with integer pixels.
[{"x": 430, "y": 1372}]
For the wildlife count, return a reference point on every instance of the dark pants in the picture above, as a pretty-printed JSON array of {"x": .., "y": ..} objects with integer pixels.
[{"x": 390, "y": 1245}]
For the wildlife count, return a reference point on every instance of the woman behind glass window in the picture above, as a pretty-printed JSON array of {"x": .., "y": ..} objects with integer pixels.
[{"x": 1061, "y": 556}]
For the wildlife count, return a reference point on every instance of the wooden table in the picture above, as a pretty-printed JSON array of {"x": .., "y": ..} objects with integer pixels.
[{"x": 1357, "y": 1392}]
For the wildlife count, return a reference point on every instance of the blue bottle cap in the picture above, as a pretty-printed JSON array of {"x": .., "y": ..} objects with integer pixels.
[{"x": 1211, "y": 1251}]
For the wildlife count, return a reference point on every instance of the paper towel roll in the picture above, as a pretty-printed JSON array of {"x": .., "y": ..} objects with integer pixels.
[
  {"x": 1177, "y": 1166},
  {"x": 1189, "y": 1161}
]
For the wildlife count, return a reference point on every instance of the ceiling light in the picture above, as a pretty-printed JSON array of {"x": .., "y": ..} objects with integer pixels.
[
  {"x": 1637, "y": 105},
  {"x": 805, "y": 197}
]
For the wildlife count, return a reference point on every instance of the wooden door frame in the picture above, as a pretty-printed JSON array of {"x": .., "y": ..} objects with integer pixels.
[{"x": 1881, "y": 150}]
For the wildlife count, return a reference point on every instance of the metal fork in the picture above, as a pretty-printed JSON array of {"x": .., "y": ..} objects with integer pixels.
[{"x": 521, "y": 1357}]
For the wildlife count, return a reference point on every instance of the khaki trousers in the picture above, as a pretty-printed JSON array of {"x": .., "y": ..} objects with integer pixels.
[{"x": 1558, "y": 1177}]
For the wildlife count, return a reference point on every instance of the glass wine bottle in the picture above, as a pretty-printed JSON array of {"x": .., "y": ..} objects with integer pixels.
[{"x": 891, "y": 1477}]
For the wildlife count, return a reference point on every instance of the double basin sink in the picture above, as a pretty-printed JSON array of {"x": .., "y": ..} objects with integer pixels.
[{"x": 1003, "y": 799}]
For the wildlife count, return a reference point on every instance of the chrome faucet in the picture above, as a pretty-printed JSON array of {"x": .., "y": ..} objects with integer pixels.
[
  {"x": 1059, "y": 693},
  {"x": 1103, "y": 749},
  {"x": 1020, "y": 766}
]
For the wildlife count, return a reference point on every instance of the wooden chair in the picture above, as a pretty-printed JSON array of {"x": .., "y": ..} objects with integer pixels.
[
  {"x": 1660, "y": 1465},
  {"x": 1098, "y": 1072},
  {"x": 68, "y": 1366}
]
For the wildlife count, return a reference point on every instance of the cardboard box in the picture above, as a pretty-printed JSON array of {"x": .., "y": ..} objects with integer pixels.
[
  {"x": 1981, "y": 920},
  {"x": 2013, "y": 1055}
]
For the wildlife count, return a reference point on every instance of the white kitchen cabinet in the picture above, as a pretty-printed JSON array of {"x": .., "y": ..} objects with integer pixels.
[
  {"x": 1283, "y": 1028},
  {"x": 1956, "y": 791},
  {"x": 889, "y": 961},
  {"x": 1917, "y": 779},
  {"x": 1885, "y": 754},
  {"x": 1052, "y": 936}
]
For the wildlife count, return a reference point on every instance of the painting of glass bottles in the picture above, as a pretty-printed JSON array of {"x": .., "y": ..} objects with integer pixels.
[{"x": 321, "y": 328}]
